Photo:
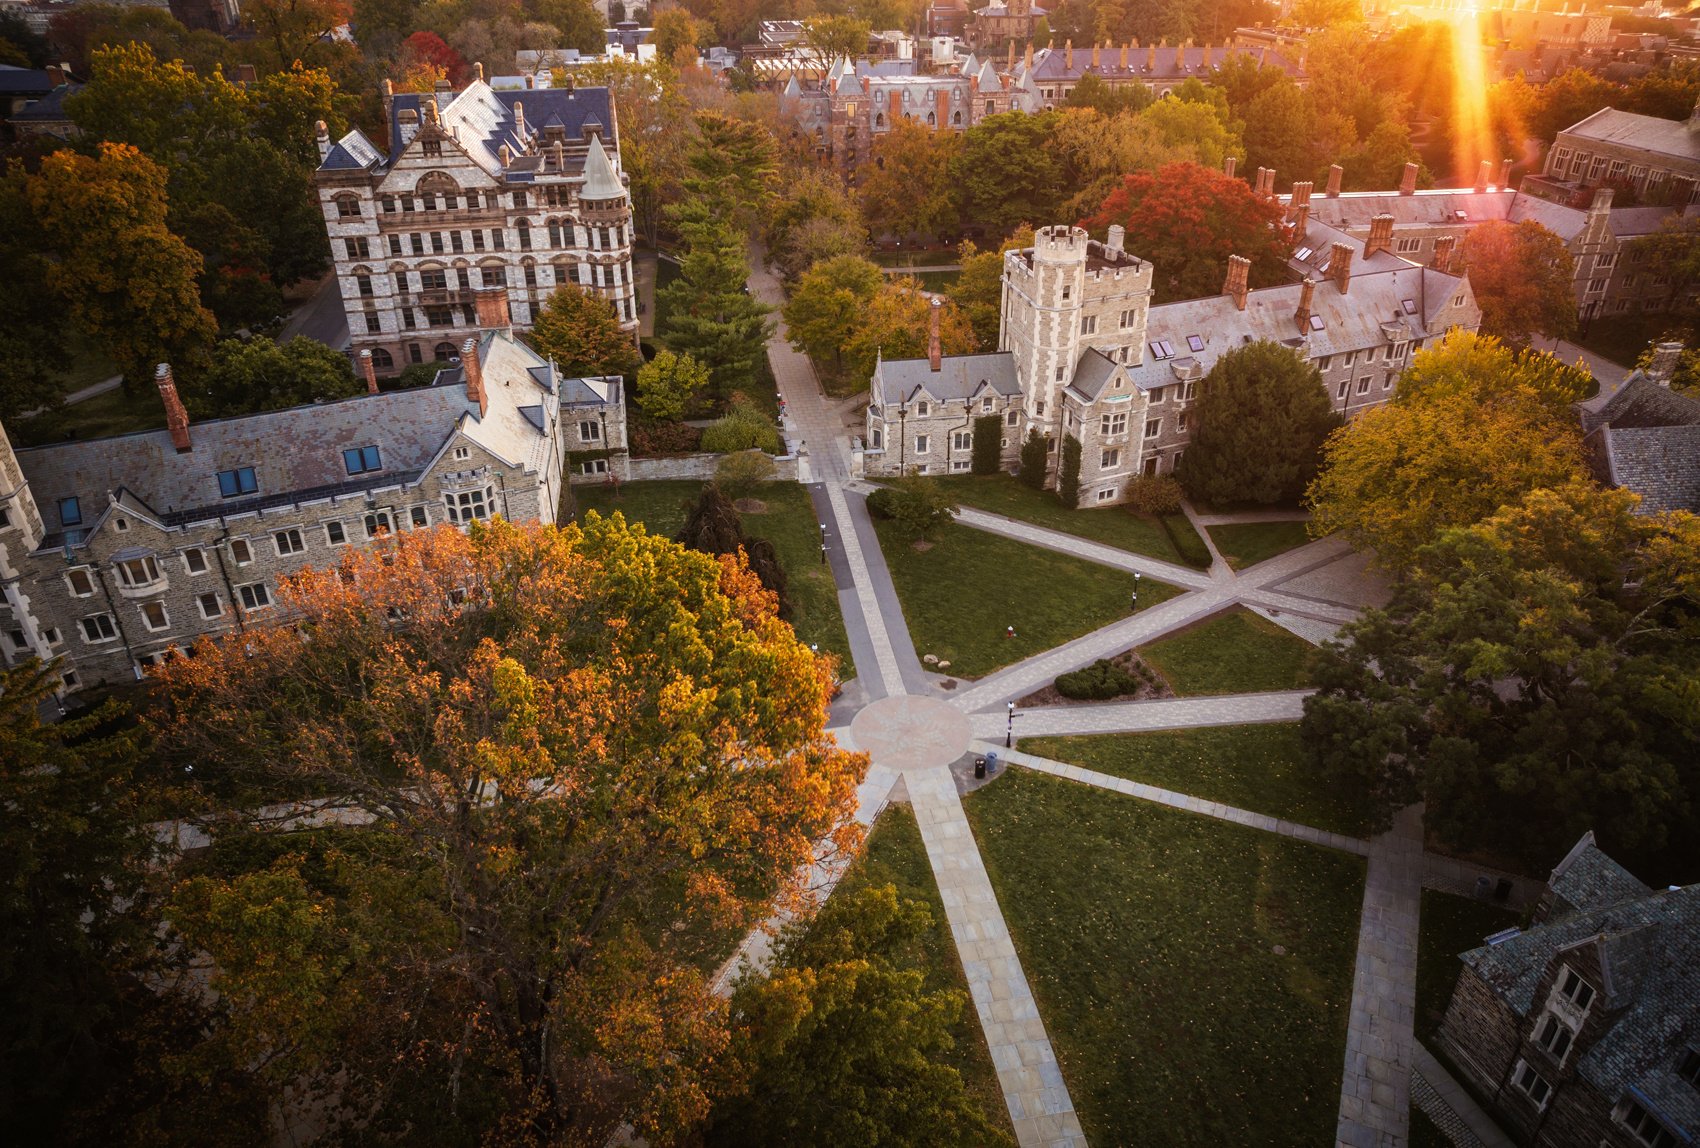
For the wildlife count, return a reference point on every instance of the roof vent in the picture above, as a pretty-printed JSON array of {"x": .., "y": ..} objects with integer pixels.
[{"x": 1502, "y": 936}]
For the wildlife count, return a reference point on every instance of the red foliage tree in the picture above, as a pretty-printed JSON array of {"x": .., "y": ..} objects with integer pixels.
[
  {"x": 430, "y": 48},
  {"x": 1187, "y": 220}
]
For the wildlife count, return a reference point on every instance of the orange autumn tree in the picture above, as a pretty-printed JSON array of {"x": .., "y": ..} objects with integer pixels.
[{"x": 592, "y": 756}]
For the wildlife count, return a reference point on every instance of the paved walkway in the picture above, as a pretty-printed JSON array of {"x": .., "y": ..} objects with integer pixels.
[
  {"x": 1375, "y": 1088},
  {"x": 1134, "y": 717},
  {"x": 1243, "y": 517},
  {"x": 1453, "y": 1109}
]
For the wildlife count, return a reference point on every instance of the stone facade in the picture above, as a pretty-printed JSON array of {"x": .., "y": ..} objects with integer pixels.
[
  {"x": 1084, "y": 353},
  {"x": 517, "y": 190},
  {"x": 1658, "y": 159},
  {"x": 1157, "y": 67},
  {"x": 116, "y": 552}
]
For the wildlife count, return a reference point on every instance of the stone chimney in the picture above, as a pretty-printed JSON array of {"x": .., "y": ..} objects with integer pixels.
[
  {"x": 1009, "y": 66},
  {"x": 368, "y": 372},
  {"x": 1124, "y": 57},
  {"x": 1237, "y": 284},
  {"x": 1151, "y": 58},
  {"x": 935, "y": 357},
  {"x": 1335, "y": 172},
  {"x": 1068, "y": 54},
  {"x": 1504, "y": 182},
  {"x": 1380, "y": 235},
  {"x": 478, "y": 71},
  {"x": 492, "y": 303},
  {"x": 176, "y": 418},
  {"x": 322, "y": 137},
  {"x": 1301, "y": 193},
  {"x": 1443, "y": 249},
  {"x": 1408, "y": 181},
  {"x": 1483, "y": 170},
  {"x": 1301, "y": 222},
  {"x": 1117, "y": 238},
  {"x": 1601, "y": 204},
  {"x": 1307, "y": 292},
  {"x": 1340, "y": 266},
  {"x": 1228, "y": 166},
  {"x": 1094, "y": 55},
  {"x": 519, "y": 121},
  {"x": 1027, "y": 59},
  {"x": 474, "y": 371},
  {"x": 1663, "y": 362}
]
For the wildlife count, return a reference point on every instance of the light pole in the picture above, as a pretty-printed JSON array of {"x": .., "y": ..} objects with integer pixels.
[
  {"x": 1136, "y": 589},
  {"x": 1009, "y": 729}
]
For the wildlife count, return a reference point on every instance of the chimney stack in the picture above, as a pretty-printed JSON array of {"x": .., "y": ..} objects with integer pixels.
[
  {"x": 368, "y": 372},
  {"x": 1117, "y": 238},
  {"x": 1340, "y": 266},
  {"x": 55, "y": 76},
  {"x": 1237, "y": 284},
  {"x": 1601, "y": 204},
  {"x": 1268, "y": 189},
  {"x": 1504, "y": 175},
  {"x": 935, "y": 357},
  {"x": 322, "y": 137},
  {"x": 1151, "y": 58},
  {"x": 474, "y": 371},
  {"x": 1380, "y": 235},
  {"x": 1443, "y": 248},
  {"x": 492, "y": 309},
  {"x": 1301, "y": 222},
  {"x": 1483, "y": 170},
  {"x": 1307, "y": 292},
  {"x": 894, "y": 106},
  {"x": 1027, "y": 59},
  {"x": 176, "y": 418},
  {"x": 1408, "y": 181},
  {"x": 1010, "y": 65},
  {"x": 1335, "y": 172},
  {"x": 1228, "y": 166},
  {"x": 1094, "y": 56},
  {"x": 1124, "y": 57},
  {"x": 1301, "y": 193},
  {"x": 478, "y": 71},
  {"x": 1068, "y": 54},
  {"x": 1663, "y": 362}
]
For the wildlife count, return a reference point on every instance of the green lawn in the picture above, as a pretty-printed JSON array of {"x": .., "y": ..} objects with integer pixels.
[
  {"x": 1234, "y": 652},
  {"x": 1112, "y": 526},
  {"x": 937, "y": 281},
  {"x": 1449, "y": 925},
  {"x": 1622, "y": 338},
  {"x": 896, "y": 856},
  {"x": 1149, "y": 935},
  {"x": 959, "y": 596},
  {"x": 109, "y": 414},
  {"x": 789, "y": 523},
  {"x": 1248, "y": 543},
  {"x": 910, "y": 257},
  {"x": 1263, "y": 768}
]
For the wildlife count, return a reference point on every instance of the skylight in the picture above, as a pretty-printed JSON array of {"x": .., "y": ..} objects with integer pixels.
[
  {"x": 1316, "y": 322},
  {"x": 1304, "y": 253},
  {"x": 1193, "y": 342},
  {"x": 1162, "y": 349},
  {"x": 1410, "y": 306}
]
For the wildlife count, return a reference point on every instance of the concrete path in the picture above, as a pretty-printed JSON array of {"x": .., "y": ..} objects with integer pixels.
[
  {"x": 1136, "y": 717},
  {"x": 1039, "y": 1103},
  {"x": 1375, "y": 1087},
  {"x": 1610, "y": 374},
  {"x": 1452, "y": 1109}
]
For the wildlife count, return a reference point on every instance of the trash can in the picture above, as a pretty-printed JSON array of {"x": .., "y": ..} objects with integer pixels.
[
  {"x": 979, "y": 768},
  {"x": 1484, "y": 887},
  {"x": 1502, "y": 891},
  {"x": 992, "y": 764}
]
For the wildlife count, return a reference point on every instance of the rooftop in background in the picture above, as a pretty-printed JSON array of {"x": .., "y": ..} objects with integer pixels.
[{"x": 1647, "y": 133}]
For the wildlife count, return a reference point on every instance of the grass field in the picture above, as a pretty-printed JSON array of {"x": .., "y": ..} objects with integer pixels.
[
  {"x": 1449, "y": 925},
  {"x": 1622, "y": 338},
  {"x": 1194, "y": 976},
  {"x": 895, "y": 855},
  {"x": 789, "y": 523},
  {"x": 1263, "y": 768},
  {"x": 1003, "y": 494},
  {"x": 959, "y": 596},
  {"x": 1246, "y": 544},
  {"x": 1234, "y": 652}
]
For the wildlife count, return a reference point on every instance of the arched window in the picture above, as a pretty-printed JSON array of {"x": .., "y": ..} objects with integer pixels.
[
  {"x": 530, "y": 266},
  {"x": 443, "y": 353},
  {"x": 554, "y": 233},
  {"x": 387, "y": 201},
  {"x": 524, "y": 227},
  {"x": 382, "y": 359},
  {"x": 347, "y": 206},
  {"x": 879, "y": 120},
  {"x": 932, "y": 120},
  {"x": 956, "y": 118}
]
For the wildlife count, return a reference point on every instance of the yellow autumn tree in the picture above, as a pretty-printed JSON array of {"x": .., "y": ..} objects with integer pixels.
[{"x": 575, "y": 763}]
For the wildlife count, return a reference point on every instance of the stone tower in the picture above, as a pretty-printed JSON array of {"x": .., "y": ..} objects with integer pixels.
[
  {"x": 1043, "y": 293},
  {"x": 21, "y": 533}
]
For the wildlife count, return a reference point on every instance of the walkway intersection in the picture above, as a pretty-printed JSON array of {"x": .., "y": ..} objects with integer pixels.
[{"x": 913, "y": 732}]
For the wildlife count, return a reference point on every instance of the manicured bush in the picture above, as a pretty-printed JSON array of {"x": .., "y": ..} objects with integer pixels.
[
  {"x": 1188, "y": 544},
  {"x": 1033, "y": 460},
  {"x": 1068, "y": 475},
  {"x": 1154, "y": 494},
  {"x": 743, "y": 427},
  {"x": 988, "y": 444},
  {"x": 1097, "y": 682},
  {"x": 882, "y": 502}
]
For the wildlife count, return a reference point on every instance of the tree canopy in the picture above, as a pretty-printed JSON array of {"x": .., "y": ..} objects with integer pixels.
[
  {"x": 1523, "y": 276},
  {"x": 260, "y": 375},
  {"x": 581, "y": 333}
]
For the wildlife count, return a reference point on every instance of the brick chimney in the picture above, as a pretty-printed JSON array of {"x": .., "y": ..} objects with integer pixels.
[
  {"x": 1483, "y": 170},
  {"x": 1151, "y": 58},
  {"x": 1340, "y": 266},
  {"x": 1443, "y": 249},
  {"x": 1335, "y": 172},
  {"x": 1301, "y": 193},
  {"x": 894, "y": 106},
  {"x": 1124, "y": 57},
  {"x": 474, "y": 371},
  {"x": 492, "y": 305},
  {"x": 1237, "y": 284},
  {"x": 1380, "y": 235},
  {"x": 176, "y": 418},
  {"x": 1068, "y": 54},
  {"x": 941, "y": 107},
  {"x": 368, "y": 372},
  {"x": 1301, "y": 222},
  {"x": 1408, "y": 181},
  {"x": 1307, "y": 292},
  {"x": 935, "y": 357},
  {"x": 1268, "y": 189},
  {"x": 1504, "y": 181},
  {"x": 1094, "y": 55},
  {"x": 1663, "y": 362},
  {"x": 1228, "y": 166}
]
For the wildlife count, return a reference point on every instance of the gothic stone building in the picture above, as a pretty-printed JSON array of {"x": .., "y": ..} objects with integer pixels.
[
  {"x": 116, "y": 551},
  {"x": 1084, "y": 353},
  {"x": 517, "y": 190},
  {"x": 1583, "y": 1031},
  {"x": 1657, "y": 158}
]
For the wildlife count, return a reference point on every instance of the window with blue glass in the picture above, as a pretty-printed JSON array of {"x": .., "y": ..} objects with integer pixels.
[
  {"x": 70, "y": 512},
  {"x": 239, "y": 481},
  {"x": 361, "y": 459}
]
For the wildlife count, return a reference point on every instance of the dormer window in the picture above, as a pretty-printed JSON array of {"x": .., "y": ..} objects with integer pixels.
[
  {"x": 361, "y": 460},
  {"x": 921, "y": 409},
  {"x": 1576, "y": 990},
  {"x": 1194, "y": 343},
  {"x": 70, "y": 512}
]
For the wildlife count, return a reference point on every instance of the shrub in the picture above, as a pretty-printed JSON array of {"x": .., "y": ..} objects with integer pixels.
[
  {"x": 988, "y": 444},
  {"x": 1188, "y": 544},
  {"x": 740, "y": 474},
  {"x": 1097, "y": 682},
  {"x": 742, "y": 427},
  {"x": 1068, "y": 475},
  {"x": 880, "y": 503},
  {"x": 1033, "y": 460},
  {"x": 668, "y": 385},
  {"x": 1155, "y": 495},
  {"x": 920, "y": 504},
  {"x": 418, "y": 375},
  {"x": 651, "y": 439}
]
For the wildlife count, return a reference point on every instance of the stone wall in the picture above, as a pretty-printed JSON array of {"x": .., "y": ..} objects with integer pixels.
[{"x": 684, "y": 466}]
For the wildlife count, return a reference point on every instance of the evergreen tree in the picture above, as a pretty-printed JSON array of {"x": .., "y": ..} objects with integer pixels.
[
  {"x": 1068, "y": 475},
  {"x": 988, "y": 444},
  {"x": 710, "y": 315},
  {"x": 1035, "y": 453},
  {"x": 713, "y": 527}
]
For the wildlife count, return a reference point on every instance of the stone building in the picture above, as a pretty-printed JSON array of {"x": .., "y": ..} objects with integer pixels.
[
  {"x": 517, "y": 190},
  {"x": 1157, "y": 67},
  {"x": 1609, "y": 278},
  {"x": 115, "y": 552},
  {"x": 1004, "y": 22},
  {"x": 1083, "y": 352},
  {"x": 1645, "y": 437},
  {"x": 1658, "y": 159},
  {"x": 1583, "y": 1031}
]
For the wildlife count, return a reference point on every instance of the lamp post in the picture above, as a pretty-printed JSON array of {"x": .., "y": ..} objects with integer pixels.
[
  {"x": 1136, "y": 589},
  {"x": 1009, "y": 729}
]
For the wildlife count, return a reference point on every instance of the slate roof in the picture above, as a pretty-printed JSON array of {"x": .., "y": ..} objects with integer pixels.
[
  {"x": 1640, "y": 402},
  {"x": 16, "y": 81},
  {"x": 1661, "y": 464},
  {"x": 483, "y": 119},
  {"x": 1647, "y": 943},
  {"x": 959, "y": 377},
  {"x": 50, "y": 108},
  {"x": 1051, "y": 64},
  {"x": 297, "y": 453},
  {"x": 1649, "y": 133}
]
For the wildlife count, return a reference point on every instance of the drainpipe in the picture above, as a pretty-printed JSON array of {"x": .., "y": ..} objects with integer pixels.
[
  {"x": 224, "y": 572},
  {"x": 117, "y": 620},
  {"x": 968, "y": 410}
]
